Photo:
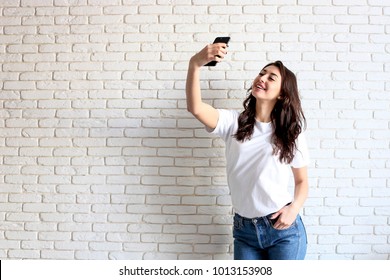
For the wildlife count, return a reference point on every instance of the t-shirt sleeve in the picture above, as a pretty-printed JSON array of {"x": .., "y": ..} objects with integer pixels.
[
  {"x": 226, "y": 124},
  {"x": 301, "y": 157}
]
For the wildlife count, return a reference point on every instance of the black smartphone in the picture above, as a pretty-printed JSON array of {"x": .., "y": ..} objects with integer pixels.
[{"x": 218, "y": 40}]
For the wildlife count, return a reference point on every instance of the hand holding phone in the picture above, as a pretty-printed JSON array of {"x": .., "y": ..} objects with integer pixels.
[{"x": 218, "y": 40}]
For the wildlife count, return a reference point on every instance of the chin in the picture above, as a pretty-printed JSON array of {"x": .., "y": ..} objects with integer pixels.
[{"x": 259, "y": 94}]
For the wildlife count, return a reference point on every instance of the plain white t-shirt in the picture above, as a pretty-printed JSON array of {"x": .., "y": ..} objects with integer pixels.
[{"x": 258, "y": 181}]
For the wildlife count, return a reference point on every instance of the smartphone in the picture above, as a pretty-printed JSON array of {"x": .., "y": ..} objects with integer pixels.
[{"x": 218, "y": 40}]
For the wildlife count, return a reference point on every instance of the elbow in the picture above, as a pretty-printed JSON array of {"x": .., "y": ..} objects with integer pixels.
[
  {"x": 196, "y": 113},
  {"x": 192, "y": 110}
]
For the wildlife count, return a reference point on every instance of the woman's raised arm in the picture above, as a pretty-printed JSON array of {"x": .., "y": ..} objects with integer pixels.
[{"x": 204, "y": 112}]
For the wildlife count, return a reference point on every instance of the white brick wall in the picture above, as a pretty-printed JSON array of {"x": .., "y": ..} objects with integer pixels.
[{"x": 100, "y": 159}]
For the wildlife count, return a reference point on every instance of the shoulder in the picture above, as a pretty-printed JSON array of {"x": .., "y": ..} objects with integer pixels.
[{"x": 227, "y": 122}]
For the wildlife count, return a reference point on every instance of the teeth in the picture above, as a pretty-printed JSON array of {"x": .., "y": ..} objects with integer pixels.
[{"x": 259, "y": 87}]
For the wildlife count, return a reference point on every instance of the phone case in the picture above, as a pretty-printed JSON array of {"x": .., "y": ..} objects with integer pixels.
[{"x": 218, "y": 40}]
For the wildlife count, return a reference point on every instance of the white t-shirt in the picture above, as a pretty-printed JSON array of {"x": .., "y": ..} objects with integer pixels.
[{"x": 258, "y": 181}]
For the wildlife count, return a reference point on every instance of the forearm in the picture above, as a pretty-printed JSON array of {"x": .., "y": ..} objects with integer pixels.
[
  {"x": 301, "y": 188},
  {"x": 287, "y": 215},
  {"x": 300, "y": 195},
  {"x": 193, "y": 92}
]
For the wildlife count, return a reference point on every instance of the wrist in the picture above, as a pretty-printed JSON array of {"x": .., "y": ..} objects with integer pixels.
[
  {"x": 194, "y": 64},
  {"x": 296, "y": 207}
]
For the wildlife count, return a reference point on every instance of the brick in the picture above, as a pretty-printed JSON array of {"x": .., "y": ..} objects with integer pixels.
[{"x": 24, "y": 254}]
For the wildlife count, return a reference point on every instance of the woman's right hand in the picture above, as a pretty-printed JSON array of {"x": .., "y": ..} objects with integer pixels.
[{"x": 211, "y": 52}]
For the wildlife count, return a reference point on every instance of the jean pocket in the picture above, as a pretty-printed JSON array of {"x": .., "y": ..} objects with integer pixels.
[{"x": 237, "y": 222}]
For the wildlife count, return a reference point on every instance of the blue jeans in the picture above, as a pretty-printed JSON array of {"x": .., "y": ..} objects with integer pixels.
[{"x": 256, "y": 239}]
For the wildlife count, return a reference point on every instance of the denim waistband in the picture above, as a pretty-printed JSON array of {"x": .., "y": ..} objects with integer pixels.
[
  {"x": 262, "y": 217},
  {"x": 255, "y": 218}
]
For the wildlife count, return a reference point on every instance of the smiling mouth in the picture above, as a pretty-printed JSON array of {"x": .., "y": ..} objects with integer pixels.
[{"x": 259, "y": 87}]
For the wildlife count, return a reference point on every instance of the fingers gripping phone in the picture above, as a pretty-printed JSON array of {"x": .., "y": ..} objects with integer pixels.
[{"x": 218, "y": 40}]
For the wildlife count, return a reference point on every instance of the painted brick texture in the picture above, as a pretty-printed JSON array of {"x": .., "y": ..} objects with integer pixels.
[{"x": 101, "y": 160}]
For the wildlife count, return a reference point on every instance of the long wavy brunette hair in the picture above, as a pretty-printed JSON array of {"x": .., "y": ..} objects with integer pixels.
[{"x": 287, "y": 116}]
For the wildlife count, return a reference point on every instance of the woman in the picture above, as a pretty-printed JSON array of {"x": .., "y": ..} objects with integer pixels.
[{"x": 263, "y": 143}]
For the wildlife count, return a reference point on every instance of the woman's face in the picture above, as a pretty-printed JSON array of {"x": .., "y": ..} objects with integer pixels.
[{"x": 267, "y": 84}]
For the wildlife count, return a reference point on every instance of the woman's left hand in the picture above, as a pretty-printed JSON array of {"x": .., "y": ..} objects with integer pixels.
[{"x": 285, "y": 217}]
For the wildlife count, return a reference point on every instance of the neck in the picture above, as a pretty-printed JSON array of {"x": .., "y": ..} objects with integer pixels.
[{"x": 263, "y": 111}]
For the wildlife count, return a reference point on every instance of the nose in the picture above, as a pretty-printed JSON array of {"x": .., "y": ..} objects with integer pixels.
[{"x": 261, "y": 80}]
